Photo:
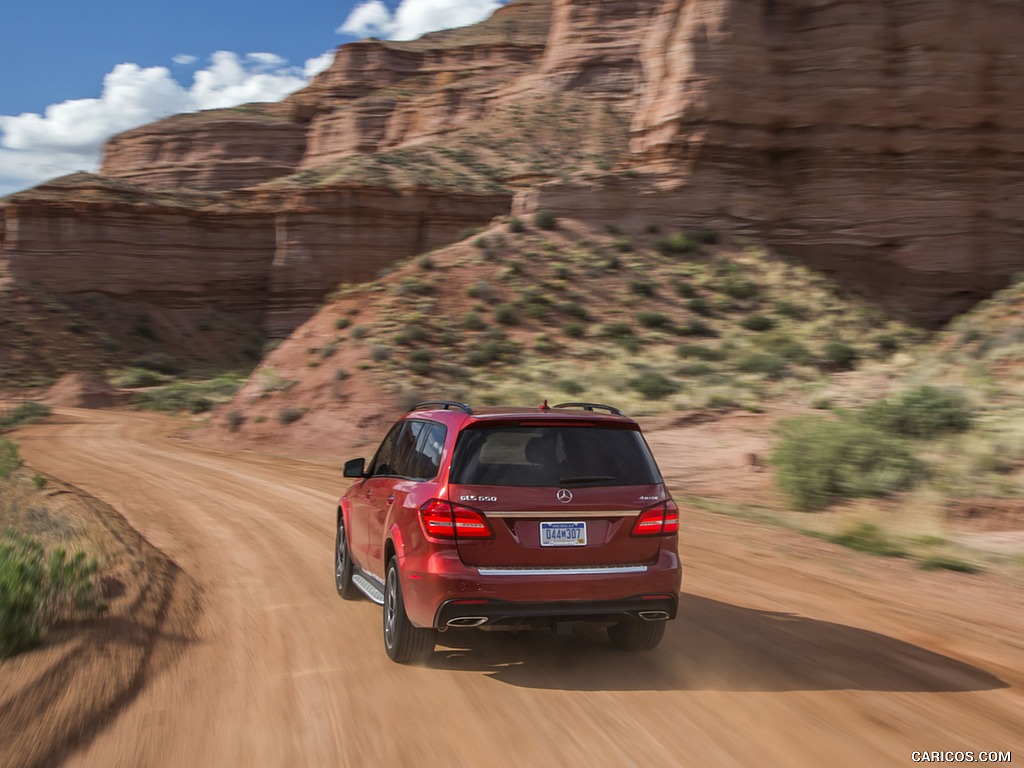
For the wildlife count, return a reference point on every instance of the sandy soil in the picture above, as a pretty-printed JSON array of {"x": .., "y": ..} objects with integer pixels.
[{"x": 788, "y": 651}]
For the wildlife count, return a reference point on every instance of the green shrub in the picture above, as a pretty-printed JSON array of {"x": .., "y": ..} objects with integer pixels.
[
  {"x": 694, "y": 369},
  {"x": 466, "y": 232},
  {"x": 706, "y": 236},
  {"x": 379, "y": 353},
  {"x": 342, "y": 323},
  {"x": 160, "y": 362},
  {"x": 194, "y": 397},
  {"x": 623, "y": 245},
  {"x": 25, "y": 413},
  {"x": 235, "y": 420},
  {"x": 790, "y": 310},
  {"x": 787, "y": 348},
  {"x": 758, "y": 323},
  {"x": 616, "y": 330},
  {"x": 650, "y": 319},
  {"x": 496, "y": 349},
  {"x": 571, "y": 387},
  {"x": 36, "y": 590},
  {"x": 412, "y": 334},
  {"x": 684, "y": 289},
  {"x": 545, "y": 219},
  {"x": 676, "y": 243},
  {"x": 865, "y": 537},
  {"x": 699, "y": 306},
  {"x": 562, "y": 272},
  {"x": 721, "y": 402},
  {"x": 289, "y": 415},
  {"x": 839, "y": 356},
  {"x": 923, "y": 413},
  {"x": 9, "y": 458},
  {"x": 822, "y": 460},
  {"x": 481, "y": 243},
  {"x": 575, "y": 309},
  {"x": 360, "y": 332},
  {"x": 506, "y": 314},
  {"x": 515, "y": 224},
  {"x": 739, "y": 288},
  {"x": 653, "y": 385},
  {"x": 426, "y": 262},
  {"x": 762, "y": 363},
  {"x": 574, "y": 330},
  {"x": 699, "y": 352},
  {"x": 472, "y": 321},
  {"x": 38, "y": 481},
  {"x": 945, "y": 562},
  {"x": 642, "y": 287},
  {"x": 696, "y": 327}
]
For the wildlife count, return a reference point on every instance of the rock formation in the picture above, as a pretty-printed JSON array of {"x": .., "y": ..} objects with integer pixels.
[{"x": 880, "y": 141}]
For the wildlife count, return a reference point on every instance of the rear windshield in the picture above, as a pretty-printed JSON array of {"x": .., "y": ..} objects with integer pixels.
[{"x": 549, "y": 456}]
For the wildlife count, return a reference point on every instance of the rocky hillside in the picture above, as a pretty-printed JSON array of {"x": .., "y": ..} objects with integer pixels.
[{"x": 879, "y": 142}]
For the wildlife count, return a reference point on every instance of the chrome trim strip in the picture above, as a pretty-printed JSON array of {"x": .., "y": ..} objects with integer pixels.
[
  {"x": 580, "y": 570},
  {"x": 561, "y": 513}
]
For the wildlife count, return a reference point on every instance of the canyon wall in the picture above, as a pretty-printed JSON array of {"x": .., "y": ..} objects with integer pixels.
[{"x": 880, "y": 141}]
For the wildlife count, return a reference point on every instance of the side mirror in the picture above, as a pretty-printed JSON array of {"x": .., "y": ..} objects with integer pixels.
[{"x": 355, "y": 468}]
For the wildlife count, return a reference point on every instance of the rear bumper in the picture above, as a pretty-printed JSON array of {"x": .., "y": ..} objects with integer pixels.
[
  {"x": 440, "y": 587},
  {"x": 496, "y": 613}
]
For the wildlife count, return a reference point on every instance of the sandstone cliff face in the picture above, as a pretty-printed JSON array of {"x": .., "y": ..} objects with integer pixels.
[
  {"x": 881, "y": 141},
  {"x": 217, "y": 149}
]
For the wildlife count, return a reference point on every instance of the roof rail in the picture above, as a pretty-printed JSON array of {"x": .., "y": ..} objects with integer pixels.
[
  {"x": 591, "y": 406},
  {"x": 445, "y": 405}
]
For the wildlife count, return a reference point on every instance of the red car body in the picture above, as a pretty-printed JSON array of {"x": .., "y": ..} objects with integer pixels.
[{"x": 443, "y": 501}]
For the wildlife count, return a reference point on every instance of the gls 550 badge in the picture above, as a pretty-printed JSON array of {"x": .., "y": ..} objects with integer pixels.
[{"x": 478, "y": 498}]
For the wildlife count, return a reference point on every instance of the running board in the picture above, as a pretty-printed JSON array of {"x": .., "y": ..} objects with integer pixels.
[{"x": 368, "y": 588}]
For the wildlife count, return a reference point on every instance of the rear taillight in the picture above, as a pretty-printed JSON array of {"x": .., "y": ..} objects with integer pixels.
[
  {"x": 443, "y": 520},
  {"x": 659, "y": 520}
]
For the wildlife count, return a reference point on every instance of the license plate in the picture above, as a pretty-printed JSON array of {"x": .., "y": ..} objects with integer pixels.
[{"x": 563, "y": 534}]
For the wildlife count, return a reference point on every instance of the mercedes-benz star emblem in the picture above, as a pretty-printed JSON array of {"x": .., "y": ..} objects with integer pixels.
[{"x": 564, "y": 496}]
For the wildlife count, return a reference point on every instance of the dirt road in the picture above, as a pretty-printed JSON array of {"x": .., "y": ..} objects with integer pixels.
[{"x": 788, "y": 651}]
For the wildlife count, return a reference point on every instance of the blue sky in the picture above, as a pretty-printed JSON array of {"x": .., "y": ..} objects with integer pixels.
[{"x": 77, "y": 73}]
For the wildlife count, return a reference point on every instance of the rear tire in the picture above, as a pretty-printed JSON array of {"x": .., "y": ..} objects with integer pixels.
[
  {"x": 403, "y": 642},
  {"x": 343, "y": 565},
  {"x": 637, "y": 635}
]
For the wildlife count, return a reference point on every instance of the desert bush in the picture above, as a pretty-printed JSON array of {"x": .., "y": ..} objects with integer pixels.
[
  {"x": 694, "y": 369},
  {"x": 574, "y": 330},
  {"x": 653, "y": 385},
  {"x": 515, "y": 224},
  {"x": 36, "y": 590},
  {"x": 160, "y": 362},
  {"x": 473, "y": 321},
  {"x": 342, "y": 323},
  {"x": 38, "y": 481},
  {"x": 684, "y": 289},
  {"x": 739, "y": 288},
  {"x": 721, "y": 402},
  {"x": 758, "y": 323},
  {"x": 650, "y": 319},
  {"x": 575, "y": 309},
  {"x": 763, "y": 363},
  {"x": 696, "y": 327},
  {"x": 945, "y": 562},
  {"x": 481, "y": 243},
  {"x": 787, "y": 348},
  {"x": 865, "y": 537},
  {"x": 289, "y": 415},
  {"x": 623, "y": 245},
  {"x": 506, "y": 314},
  {"x": 839, "y": 356},
  {"x": 466, "y": 233},
  {"x": 821, "y": 460},
  {"x": 699, "y": 306},
  {"x": 790, "y": 310},
  {"x": 410, "y": 335},
  {"x": 571, "y": 387},
  {"x": 698, "y": 352},
  {"x": 9, "y": 458},
  {"x": 676, "y": 243},
  {"x": 379, "y": 353},
  {"x": 360, "y": 332},
  {"x": 135, "y": 378},
  {"x": 25, "y": 413},
  {"x": 545, "y": 219},
  {"x": 706, "y": 236},
  {"x": 493, "y": 350},
  {"x": 924, "y": 412},
  {"x": 235, "y": 420},
  {"x": 193, "y": 397},
  {"x": 642, "y": 287}
]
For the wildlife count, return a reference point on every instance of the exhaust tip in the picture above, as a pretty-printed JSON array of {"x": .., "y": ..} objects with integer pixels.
[
  {"x": 654, "y": 615},
  {"x": 467, "y": 621}
]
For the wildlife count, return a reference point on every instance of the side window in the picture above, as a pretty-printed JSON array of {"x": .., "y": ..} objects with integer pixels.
[
  {"x": 429, "y": 449},
  {"x": 383, "y": 461},
  {"x": 403, "y": 460}
]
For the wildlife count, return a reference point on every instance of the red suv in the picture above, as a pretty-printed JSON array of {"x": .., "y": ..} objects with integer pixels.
[{"x": 510, "y": 517}]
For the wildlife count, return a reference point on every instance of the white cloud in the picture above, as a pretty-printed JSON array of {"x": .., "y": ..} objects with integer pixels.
[
  {"x": 68, "y": 136},
  {"x": 184, "y": 58},
  {"x": 318, "y": 64},
  {"x": 413, "y": 18}
]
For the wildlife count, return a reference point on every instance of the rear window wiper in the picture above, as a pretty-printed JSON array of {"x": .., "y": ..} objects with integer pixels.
[{"x": 586, "y": 479}]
